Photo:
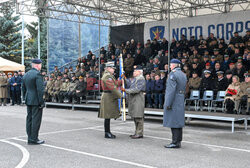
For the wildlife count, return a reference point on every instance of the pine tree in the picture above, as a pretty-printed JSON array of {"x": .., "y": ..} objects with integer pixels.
[{"x": 10, "y": 37}]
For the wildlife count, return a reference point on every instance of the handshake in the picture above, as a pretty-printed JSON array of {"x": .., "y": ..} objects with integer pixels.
[
  {"x": 123, "y": 76},
  {"x": 123, "y": 89}
]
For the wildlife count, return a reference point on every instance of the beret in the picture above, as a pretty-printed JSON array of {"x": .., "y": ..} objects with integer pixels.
[
  {"x": 138, "y": 67},
  {"x": 175, "y": 61},
  {"x": 36, "y": 61}
]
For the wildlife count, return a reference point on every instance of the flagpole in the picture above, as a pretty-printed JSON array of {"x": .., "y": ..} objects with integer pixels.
[{"x": 122, "y": 101}]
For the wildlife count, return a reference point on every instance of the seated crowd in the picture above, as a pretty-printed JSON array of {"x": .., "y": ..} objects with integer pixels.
[{"x": 210, "y": 64}]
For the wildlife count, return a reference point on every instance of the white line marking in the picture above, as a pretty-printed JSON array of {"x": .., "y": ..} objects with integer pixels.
[
  {"x": 94, "y": 155},
  {"x": 196, "y": 143},
  {"x": 25, "y": 153}
]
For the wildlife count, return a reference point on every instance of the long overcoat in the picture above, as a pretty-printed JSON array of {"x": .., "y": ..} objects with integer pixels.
[
  {"x": 174, "y": 98},
  {"x": 109, "y": 101},
  {"x": 136, "y": 98},
  {"x": 3, "y": 87}
]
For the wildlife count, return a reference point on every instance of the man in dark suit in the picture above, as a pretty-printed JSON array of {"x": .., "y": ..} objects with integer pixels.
[
  {"x": 15, "y": 87},
  {"x": 33, "y": 91}
]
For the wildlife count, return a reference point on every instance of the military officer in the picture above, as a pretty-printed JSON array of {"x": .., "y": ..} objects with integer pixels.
[
  {"x": 33, "y": 89},
  {"x": 109, "y": 101},
  {"x": 3, "y": 88},
  {"x": 63, "y": 89},
  {"x": 174, "y": 114},
  {"x": 72, "y": 88},
  {"x": 136, "y": 100},
  {"x": 48, "y": 89},
  {"x": 57, "y": 87},
  {"x": 80, "y": 89},
  {"x": 245, "y": 91}
]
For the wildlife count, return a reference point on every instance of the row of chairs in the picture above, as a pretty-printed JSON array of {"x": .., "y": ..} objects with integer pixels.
[{"x": 207, "y": 99}]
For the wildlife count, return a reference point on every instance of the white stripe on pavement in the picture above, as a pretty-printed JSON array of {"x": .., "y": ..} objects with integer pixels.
[
  {"x": 94, "y": 155},
  {"x": 25, "y": 153}
]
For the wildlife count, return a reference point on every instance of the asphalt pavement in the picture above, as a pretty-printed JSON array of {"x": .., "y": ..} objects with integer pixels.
[{"x": 75, "y": 139}]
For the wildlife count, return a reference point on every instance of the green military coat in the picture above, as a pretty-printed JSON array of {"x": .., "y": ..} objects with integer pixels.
[
  {"x": 3, "y": 87},
  {"x": 109, "y": 101}
]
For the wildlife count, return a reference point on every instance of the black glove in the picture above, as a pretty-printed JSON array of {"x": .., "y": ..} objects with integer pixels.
[
  {"x": 41, "y": 106},
  {"x": 169, "y": 107}
]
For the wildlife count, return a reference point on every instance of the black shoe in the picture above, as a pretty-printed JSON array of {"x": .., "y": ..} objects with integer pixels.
[
  {"x": 160, "y": 107},
  {"x": 12, "y": 104},
  {"x": 172, "y": 145},
  {"x": 155, "y": 106},
  {"x": 131, "y": 135},
  {"x": 38, "y": 142},
  {"x": 109, "y": 135}
]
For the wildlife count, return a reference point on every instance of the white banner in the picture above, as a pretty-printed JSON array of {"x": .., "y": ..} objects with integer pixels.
[{"x": 222, "y": 25}]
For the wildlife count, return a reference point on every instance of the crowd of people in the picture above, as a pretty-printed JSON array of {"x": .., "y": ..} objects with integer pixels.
[
  {"x": 11, "y": 88},
  {"x": 209, "y": 64}
]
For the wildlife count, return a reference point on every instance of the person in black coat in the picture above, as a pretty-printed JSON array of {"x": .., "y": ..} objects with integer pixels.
[
  {"x": 207, "y": 82},
  {"x": 149, "y": 84},
  {"x": 239, "y": 71},
  {"x": 15, "y": 87},
  {"x": 220, "y": 83},
  {"x": 80, "y": 89},
  {"x": 157, "y": 92},
  {"x": 34, "y": 91}
]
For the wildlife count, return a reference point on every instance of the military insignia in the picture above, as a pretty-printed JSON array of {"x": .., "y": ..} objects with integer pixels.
[{"x": 157, "y": 32}]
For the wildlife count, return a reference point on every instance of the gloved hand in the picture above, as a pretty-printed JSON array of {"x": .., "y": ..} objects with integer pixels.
[
  {"x": 41, "y": 106},
  {"x": 123, "y": 76},
  {"x": 123, "y": 89},
  {"x": 169, "y": 108}
]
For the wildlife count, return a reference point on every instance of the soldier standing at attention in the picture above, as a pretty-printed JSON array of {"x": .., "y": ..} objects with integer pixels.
[
  {"x": 3, "y": 88},
  {"x": 174, "y": 113},
  {"x": 136, "y": 100},
  {"x": 33, "y": 91},
  {"x": 109, "y": 101}
]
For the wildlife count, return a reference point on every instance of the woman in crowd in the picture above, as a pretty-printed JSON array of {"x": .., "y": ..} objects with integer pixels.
[{"x": 232, "y": 95}]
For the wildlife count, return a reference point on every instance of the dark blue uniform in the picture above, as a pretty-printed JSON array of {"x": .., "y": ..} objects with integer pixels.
[
  {"x": 33, "y": 90},
  {"x": 15, "y": 89}
]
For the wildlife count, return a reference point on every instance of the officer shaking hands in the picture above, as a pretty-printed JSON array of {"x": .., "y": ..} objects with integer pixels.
[
  {"x": 174, "y": 112},
  {"x": 33, "y": 91}
]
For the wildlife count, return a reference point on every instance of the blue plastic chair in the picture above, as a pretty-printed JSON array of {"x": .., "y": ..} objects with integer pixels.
[
  {"x": 219, "y": 98},
  {"x": 207, "y": 97},
  {"x": 194, "y": 97}
]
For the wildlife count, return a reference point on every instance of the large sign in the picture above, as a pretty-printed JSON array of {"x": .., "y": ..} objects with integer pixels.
[{"x": 222, "y": 25}]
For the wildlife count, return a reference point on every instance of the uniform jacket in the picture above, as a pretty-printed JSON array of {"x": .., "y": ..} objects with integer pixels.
[
  {"x": 65, "y": 86},
  {"x": 128, "y": 64},
  {"x": 245, "y": 90},
  {"x": 221, "y": 84},
  {"x": 81, "y": 86},
  {"x": 109, "y": 100},
  {"x": 149, "y": 86},
  {"x": 194, "y": 83},
  {"x": 33, "y": 88},
  {"x": 207, "y": 84},
  {"x": 3, "y": 87},
  {"x": 136, "y": 98},
  {"x": 158, "y": 86},
  {"x": 174, "y": 98},
  {"x": 17, "y": 80},
  {"x": 72, "y": 86}
]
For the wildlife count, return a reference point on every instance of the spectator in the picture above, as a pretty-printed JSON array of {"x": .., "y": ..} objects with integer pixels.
[
  {"x": 207, "y": 82},
  {"x": 139, "y": 58},
  {"x": 15, "y": 84},
  {"x": 194, "y": 82},
  {"x": 147, "y": 52},
  {"x": 149, "y": 87},
  {"x": 128, "y": 65},
  {"x": 157, "y": 92},
  {"x": 221, "y": 82},
  {"x": 236, "y": 39},
  {"x": 232, "y": 96},
  {"x": 239, "y": 71},
  {"x": 245, "y": 91},
  {"x": 164, "y": 45},
  {"x": 155, "y": 47}
]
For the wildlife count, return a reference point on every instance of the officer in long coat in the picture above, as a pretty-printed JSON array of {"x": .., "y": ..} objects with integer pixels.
[
  {"x": 3, "y": 88},
  {"x": 109, "y": 101},
  {"x": 33, "y": 91},
  {"x": 174, "y": 113},
  {"x": 136, "y": 100}
]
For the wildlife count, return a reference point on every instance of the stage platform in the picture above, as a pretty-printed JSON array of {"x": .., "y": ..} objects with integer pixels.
[{"x": 150, "y": 112}]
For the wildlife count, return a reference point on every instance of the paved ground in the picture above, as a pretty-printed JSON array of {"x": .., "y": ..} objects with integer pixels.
[{"x": 75, "y": 139}]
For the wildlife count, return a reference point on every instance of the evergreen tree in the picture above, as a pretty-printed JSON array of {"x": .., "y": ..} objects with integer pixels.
[{"x": 10, "y": 37}]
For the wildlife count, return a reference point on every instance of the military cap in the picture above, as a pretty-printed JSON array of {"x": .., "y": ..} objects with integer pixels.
[
  {"x": 110, "y": 64},
  {"x": 236, "y": 32},
  {"x": 10, "y": 73},
  {"x": 15, "y": 72},
  {"x": 151, "y": 58},
  {"x": 138, "y": 67},
  {"x": 70, "y": 67},
  {"x": 66, "y": 78},
  {"x": 216, "y": 49},
  {"x": 59, "y": 74},
  {"x": 175, "y": 61},
  {"x": 194, "y": 63},
  {"x": 66, "y": 68},
  {"x": 207, "y": 71},
  {"x": 213, "y": 57},
  {"x": 247, "y": 75},
  {"x": 36, "y": 61},
  {"x": 231, "y": 63},
  {"x": 80, "y": 77},
  {"x": 206, "y": 56},
  {"x": 226, "y": 55},
  {"x": 240, "y": 57},
  {"x": 194, "y": 72},
  {"x": 228, "y": 72},
  {"x": 155, "y": 66},
  {"x": 219, "y": 72},
  {"x": 65, "y": 73}
]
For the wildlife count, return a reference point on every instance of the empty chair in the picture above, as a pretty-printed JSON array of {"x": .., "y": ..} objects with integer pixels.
[
  {"x": 207, "y": 98},
  {"x": 219, "y": 99},
  {"x": 194, "y": 97}
]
